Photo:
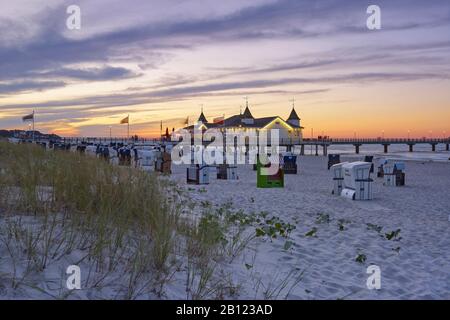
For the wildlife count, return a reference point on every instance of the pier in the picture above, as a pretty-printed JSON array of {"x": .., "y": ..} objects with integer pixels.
[
  {"x": 357, "y": 143},
  {"x": 319, "y": 145}
]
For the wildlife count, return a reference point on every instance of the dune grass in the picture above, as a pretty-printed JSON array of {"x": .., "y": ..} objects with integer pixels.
[
  {"x": 121, "y": 225},
  {"x": 133, "y": 234}
]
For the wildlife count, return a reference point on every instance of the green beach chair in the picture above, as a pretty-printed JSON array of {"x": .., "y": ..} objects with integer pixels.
[{"x": 269, "y": 181}]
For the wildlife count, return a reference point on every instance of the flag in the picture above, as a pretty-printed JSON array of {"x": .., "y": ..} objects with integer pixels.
[
  {"x": 125, "y": 120},
  {"x": 219, "y": 120},
  {"x": 28, "y": 117},
  {"x": 186, "y": 122}
]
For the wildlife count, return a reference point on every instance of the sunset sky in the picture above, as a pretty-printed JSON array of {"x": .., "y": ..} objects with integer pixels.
[{"x": 160, "y": 60}]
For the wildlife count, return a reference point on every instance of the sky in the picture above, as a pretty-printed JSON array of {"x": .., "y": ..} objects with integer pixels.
[{"x": 161, "y": 60}]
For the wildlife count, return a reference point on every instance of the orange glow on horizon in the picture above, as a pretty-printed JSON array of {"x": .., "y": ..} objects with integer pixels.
[{"x": 351, "y": 128}]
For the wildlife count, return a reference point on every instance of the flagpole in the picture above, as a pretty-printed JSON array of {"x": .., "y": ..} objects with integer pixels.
[
  {"x": 33, "y": 125},
  {"x": 224, "y": 132},
  {"x": 128, "y": 131}
]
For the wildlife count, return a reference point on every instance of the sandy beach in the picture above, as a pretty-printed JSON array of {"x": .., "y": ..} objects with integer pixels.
[
  {"x": 224, "y": 240},
  {"x": 414, "y": 265}
]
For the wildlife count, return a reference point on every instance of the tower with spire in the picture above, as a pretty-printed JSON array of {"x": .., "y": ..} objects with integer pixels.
[
  {"x": 202, "y": 117},
  {"x": 247, "y": 116},
  {"x": 293, "y": 118}
]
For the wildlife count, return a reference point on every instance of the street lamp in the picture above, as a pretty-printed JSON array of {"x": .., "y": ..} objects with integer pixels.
[{"x": 110, "y": 133}]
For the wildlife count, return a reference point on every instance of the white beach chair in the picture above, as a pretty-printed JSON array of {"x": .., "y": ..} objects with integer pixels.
[
  {"x": 196, "y": 174},
  {"x": 357, "y": 181},
  {"x": 338, "y": 178},
  {"x": 394, "y": 174}
]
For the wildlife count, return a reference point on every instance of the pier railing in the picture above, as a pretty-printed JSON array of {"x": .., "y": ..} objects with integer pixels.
[
  {"x": 387, "y": 140},
  {"x": 290, "y": 141},
  {"x": 370, "y": 141},
  {"x": 358, "y": 142}
]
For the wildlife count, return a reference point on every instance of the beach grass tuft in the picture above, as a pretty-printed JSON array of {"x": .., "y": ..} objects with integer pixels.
[{"x": 122, "y": 225}]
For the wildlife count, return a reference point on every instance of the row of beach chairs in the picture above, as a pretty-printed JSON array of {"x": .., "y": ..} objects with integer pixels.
[{"x": 352, "y": 179}]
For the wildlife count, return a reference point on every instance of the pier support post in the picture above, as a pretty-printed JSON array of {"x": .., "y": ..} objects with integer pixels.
[
  {"x": 302, "y": 150},
  {"x": 411, "y": 147},
  {"x": 317, "y": 149},
  {"x": 446, "y": 147},
  {"x": 325, "y": 150},
  {"x": 357, "y": 148},
  {"x": 386, "y": 146},
  {"x": 433, "y": 147}
]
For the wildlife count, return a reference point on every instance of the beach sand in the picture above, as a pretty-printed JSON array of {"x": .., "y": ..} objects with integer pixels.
[{"x": 414, "y": 265}]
